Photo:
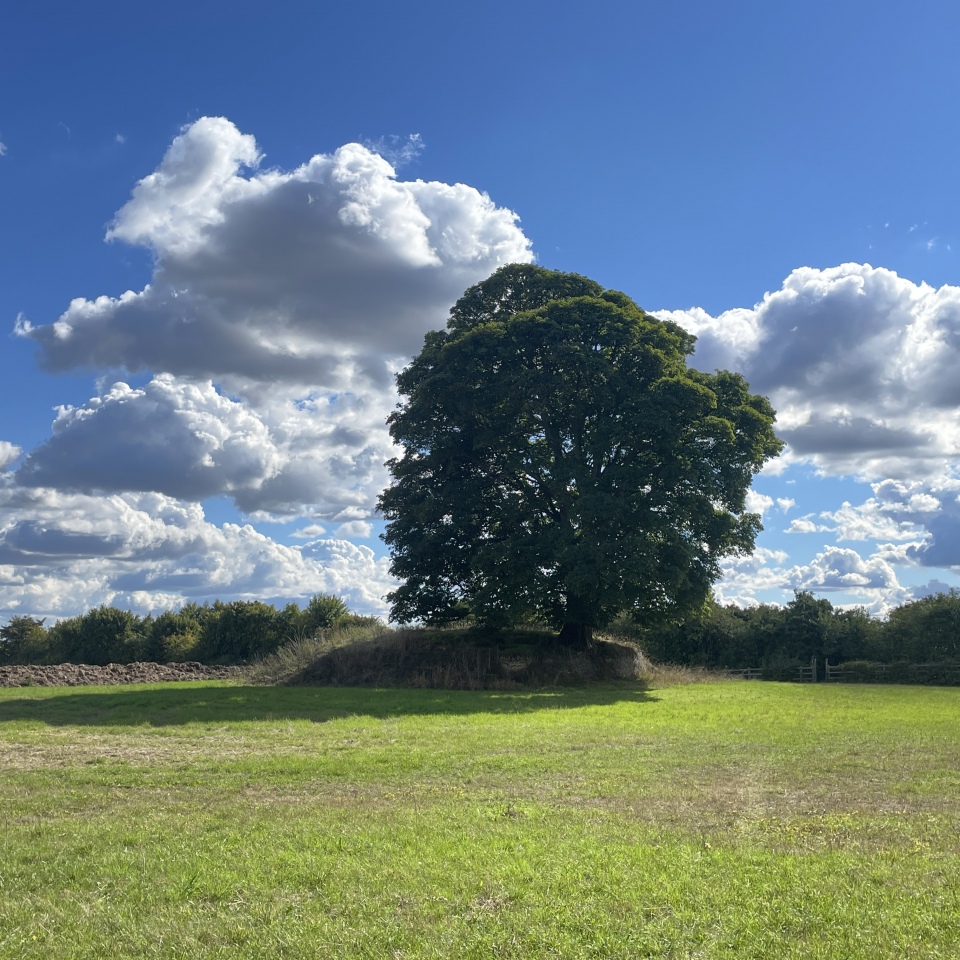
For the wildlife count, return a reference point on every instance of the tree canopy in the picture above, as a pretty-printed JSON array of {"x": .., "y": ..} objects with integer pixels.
[{"x": 560, "y": 461}]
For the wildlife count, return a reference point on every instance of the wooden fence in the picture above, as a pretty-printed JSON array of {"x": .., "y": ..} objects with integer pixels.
[
  {"x": 833, "y": 673},
  {"x": 747, "y": 673},
  {"x": 808, "y": 674},
  {"x": 862, "y": 672}
]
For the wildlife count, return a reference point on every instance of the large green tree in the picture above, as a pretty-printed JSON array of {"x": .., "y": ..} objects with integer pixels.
[{"x": 561, "y": 462}]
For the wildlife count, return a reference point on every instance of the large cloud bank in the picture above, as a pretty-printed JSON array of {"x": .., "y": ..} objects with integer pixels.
[
  {"x": 313, "y": 275},
  {"x": 264, "y": 346},
  {"x": 280, "y": 306},
  {"x": 861, "y": 365},
  {"x": 61, "y": 553},
  {"x": 859, "y": 362}
]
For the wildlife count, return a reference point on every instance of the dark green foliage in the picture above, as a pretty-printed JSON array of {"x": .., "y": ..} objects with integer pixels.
[
  {"x": 324, "y": 611},
  {"x": 240, "y": 631},
  {"x": 101, "y": 635},
  {"x": 23, "y": 640},
  {"x": 805, "y": 626},
  {"x": 218, "y": 633},
  {"x": 780, "y": 639},
  {"x": 927, "y": 629},
  {"x": 174, "y": 636},
  {"x": 561, "y": 462},
  {"x": 852, "y": 634}
]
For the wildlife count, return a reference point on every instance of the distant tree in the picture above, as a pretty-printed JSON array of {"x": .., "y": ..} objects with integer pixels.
[
  {"x": 852, "y": 635},
  {"x": 324, "y": 610},
  {"x": 239, "y": 631},
  {"x": 806, "y": 624},
  {"x": 172, "y": 636},
  {"x": 24, "y": 640},
  {"x": 99, "y": 636},
  {"x": 925, "y": 630},
  {"x": 561, "y": 461}
]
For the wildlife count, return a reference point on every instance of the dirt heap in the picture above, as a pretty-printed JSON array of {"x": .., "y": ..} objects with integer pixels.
[{"x": 85, "y": 674}]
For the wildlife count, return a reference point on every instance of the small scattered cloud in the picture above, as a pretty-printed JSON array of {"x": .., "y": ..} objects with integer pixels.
[
  {"x": 786, "y": 504},
  {"x": 61, "y": 553},
  {"x": 859, "y": 363},
  {"x": 324, "y": 275},
  {"x": 356, "y": 530},
  {"x": 745, "y": 578},
  {"x": 310, "y": 532},
  {"x": 839, "y": 568},
  {"x": 758, "y": 502},
  {"x": 8, "y": 453},
  {"x": 3, "y": 149},
  {"x": 930, "y": 588},
  {"x": 807, "y": 525},
  {"x": 120, "y": 138},
  {"x": 397, "y": 150}
]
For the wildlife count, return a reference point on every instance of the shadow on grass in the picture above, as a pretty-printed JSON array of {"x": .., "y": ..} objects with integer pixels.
[{"x": 179, "y": 705}]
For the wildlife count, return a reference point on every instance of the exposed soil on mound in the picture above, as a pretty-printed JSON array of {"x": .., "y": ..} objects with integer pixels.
[{"x": 84, "y": 674}]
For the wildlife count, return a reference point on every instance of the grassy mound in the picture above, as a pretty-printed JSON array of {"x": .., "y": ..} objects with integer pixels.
[{"x": 452, "y": 659}]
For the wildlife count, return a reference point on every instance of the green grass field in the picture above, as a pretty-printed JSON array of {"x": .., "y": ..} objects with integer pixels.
[{"x": 729, "y": 820}]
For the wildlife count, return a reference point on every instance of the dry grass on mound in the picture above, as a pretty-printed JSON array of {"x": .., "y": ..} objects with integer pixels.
[{"x": 459, "y": 659}]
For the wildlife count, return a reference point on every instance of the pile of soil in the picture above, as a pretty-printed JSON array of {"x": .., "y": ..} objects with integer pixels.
[{"x": 85, "y": 674}]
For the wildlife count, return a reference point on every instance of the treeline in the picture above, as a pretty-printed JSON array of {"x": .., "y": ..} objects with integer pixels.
[
  {"x": 779, "y": 639},
  {"x": 217, "y": 633},
  {"x": 782, "y": 638}
]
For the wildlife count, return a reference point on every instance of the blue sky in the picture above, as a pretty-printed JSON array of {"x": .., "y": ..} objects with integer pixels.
[{"x": 294, "y": 194}]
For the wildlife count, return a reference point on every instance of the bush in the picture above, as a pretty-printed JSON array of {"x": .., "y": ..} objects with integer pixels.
[
  {"x": 99, "y": 636},
  {"x": 946, "y": 673},
  {"x": 220, "y": 633},
  {"x": 24, "y": 640},
  {"x": 173, "y": 637}
]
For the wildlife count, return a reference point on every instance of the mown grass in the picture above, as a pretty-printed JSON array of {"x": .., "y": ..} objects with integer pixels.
[{"x": 702, "y": 821}]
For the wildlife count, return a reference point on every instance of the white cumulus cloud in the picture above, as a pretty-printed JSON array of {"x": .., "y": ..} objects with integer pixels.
[
  {"x": 859, "y": 363},
  {"x": 758, "y": 502},
  {"x": 65, "y": 552},
  {"x": 8, "y": 453},
  {"x": 320, "y": 275},
  {"x": 182, "y": 439},
  {"x": 839, "y": 568},
  {"x": 280, "y": 306},
  {"x": 806, "y": 525},
  {"x": 925, "y": 513},
  {"x": 273, "y": 453}
]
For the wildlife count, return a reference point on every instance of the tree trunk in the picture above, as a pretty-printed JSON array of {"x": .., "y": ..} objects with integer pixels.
[{"x": 576, "y": 635}]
